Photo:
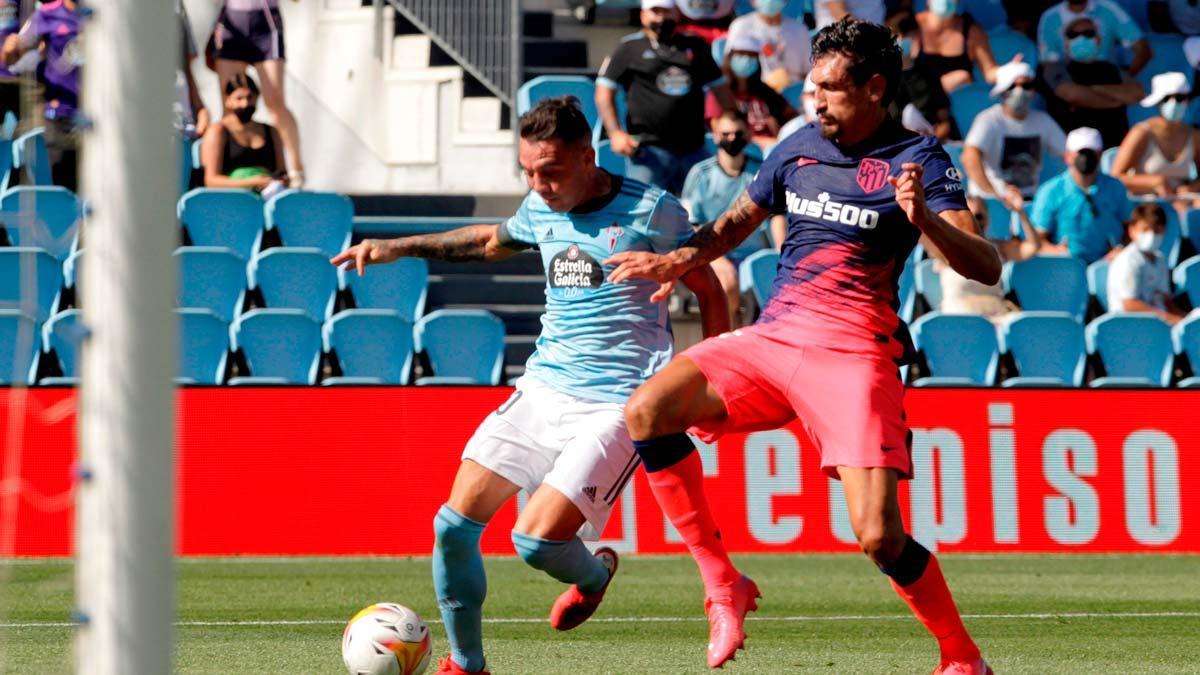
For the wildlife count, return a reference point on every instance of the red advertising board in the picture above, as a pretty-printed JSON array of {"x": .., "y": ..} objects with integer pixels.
[{"x": 296, "y": 471}]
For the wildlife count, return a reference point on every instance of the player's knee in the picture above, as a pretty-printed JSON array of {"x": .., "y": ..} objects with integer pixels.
[
  {"x": 643, "y": 411},
  {"x": 535, "y": 551},
  {"x": 880, "y": 544}
]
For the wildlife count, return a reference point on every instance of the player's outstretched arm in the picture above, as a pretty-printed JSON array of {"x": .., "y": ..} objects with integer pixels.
[
  {"x": 707, "y": 244},
  {"x": 472, "y": 243},
  {"x": 714, "y": 307}
]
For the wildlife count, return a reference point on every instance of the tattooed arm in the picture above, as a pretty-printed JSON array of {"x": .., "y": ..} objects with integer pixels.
[
  {"x": 465, "y": 244},
  {"x": 709, "y": 243}
]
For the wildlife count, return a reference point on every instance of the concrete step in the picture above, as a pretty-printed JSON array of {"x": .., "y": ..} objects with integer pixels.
[
  {"x": 479, "y": 114},
  {"x": 410, "y": 52}
]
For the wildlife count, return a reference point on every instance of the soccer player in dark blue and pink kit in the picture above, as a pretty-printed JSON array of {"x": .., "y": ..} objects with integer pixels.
[{"x": 857, "y": 191}]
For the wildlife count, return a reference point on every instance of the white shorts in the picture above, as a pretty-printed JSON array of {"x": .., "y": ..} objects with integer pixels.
[{"x": 580, "y": 448}]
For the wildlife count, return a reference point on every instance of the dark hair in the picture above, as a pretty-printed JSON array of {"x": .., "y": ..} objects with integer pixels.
[
  {"x": 870, "y": 47},
  {"x": 735, "y": 115},
  {"x": 240, "y": 81},
  {"x": 559, "y": 118},
  {"x": 902, "y": 24},
  {"x": 1151, "y": 213}
]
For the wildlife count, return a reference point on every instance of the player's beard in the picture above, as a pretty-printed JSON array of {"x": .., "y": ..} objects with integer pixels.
[{"x": 829, "y": 131}]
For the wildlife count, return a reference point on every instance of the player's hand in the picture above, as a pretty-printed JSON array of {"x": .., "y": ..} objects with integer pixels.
[
  {"x": 623, "y": 143},
  {"x": 910, "y": 192},
  {"x": 365, "y": 252},
  {"x": 643, "y": 265}
]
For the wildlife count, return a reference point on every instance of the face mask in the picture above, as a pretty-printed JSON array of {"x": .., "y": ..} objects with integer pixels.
[
  {"x": 1018, "y": 100},
  {"x": 770, "y": 7},
  {"x": 905, "y": 45},
  {"x": 1087, "y": 161},
  {"x": 1148, "y": 241},
  {"x": 944, "y": 7},
  {"x": 664, "y": 29},
  {"x": 245, "y": 114},
  {"x": 743, "y": 65},
  {"x": 734, "y": 146},
  {"x": 1173, "y": 111},
  {"x": 1084, "y": 48},
  {"x": 810, "y": 108}
]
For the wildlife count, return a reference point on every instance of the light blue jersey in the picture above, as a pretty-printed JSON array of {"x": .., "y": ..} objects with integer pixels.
[
  {"x": 1112, "y": 22},
  {"x": 600, "y": 340}
]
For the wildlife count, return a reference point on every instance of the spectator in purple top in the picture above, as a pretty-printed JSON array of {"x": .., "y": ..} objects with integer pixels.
[
  {"x": 250, "y": 32},
  {"x": 10, "y": 87},
  {"x": 54, "y": 28}
]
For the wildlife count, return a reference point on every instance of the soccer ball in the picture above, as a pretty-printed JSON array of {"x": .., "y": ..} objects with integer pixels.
[{"x": 386, "y": 639}]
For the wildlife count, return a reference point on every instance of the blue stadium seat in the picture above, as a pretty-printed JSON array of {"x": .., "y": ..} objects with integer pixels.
[
  {"x": 401, "y": 286},
  {"x": 295, "y": 278},
  {"x": 17, "y": 330},
  {"x": 792, "y": 93},
  {"x": 54, "y": 223},
  {"x": 72, "y": 268},
  {"x": 718, "y": 49},
  {"x": 1107, "y": 158},
  {"x": 954, "y": 149},
  {"x": 1167, "y": 57},
  {"x": 203, "y": 346},
  {"x": 8, "y": 127},
  {"x": 223, "y": 217},
  {"x": 757, "y": 273},
  {"x": 549, "y": 86},
  {"x": 63, "y": 333},
  {"x": 1007, "y": 43},
  {"x": 1000, "y": 220},
  {"x": 928, "y": 284},
  {"x": 18, "y": 262},
  {"x": 968, "y": 101},
  {"x": 1138, "y": 10},
  {"x": 960, "y": 349},
  {"x": 1136, "y": 350},
  {"x": 464, "y": 346},
  {"x": 1097, "y": 280},
  {"x": 907, "y": 290},
  {"x": 212, "y": 278},
  {"x": 1052, "y": 165},
  {"x": 6, "y": 157},
  {"x": 609, "y": 160},
  {"x": 185, "y": 164},
  {"x": 1187, "y": 281},
  {"x": 281, "y": 346},
  {"x": 1186, "y": 339},
  {"x": 29, "y": 155},
  {"x": 322, "y": 220},
  {"x": 197, "y": 157},
  {"x": 793, "y": 8},
  {"x": 991, "y": 15},
  {"x": 1047, "y": 347},
  {"x": 1172, "y": 242},
  {"x": 373, "y": 346},
  {"x": 1048, "y": 283}
]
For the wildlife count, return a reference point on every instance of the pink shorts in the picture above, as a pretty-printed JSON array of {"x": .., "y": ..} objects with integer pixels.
[{"x": 851, "y": 403}]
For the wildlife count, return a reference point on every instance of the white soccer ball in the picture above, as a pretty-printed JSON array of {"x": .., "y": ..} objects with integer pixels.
[{"x": 386, "y": 639}]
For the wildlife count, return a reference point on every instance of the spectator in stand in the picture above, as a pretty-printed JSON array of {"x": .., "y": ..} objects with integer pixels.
[
  {"x": 1111, "y": 25},
  {"x": 10, "y": 86},
  {"x": 1159, "y": 156},
  {"x": 1185, "y": 14},
  {"x": 1138, "y": 279},
  {"x": 1007, "y": 143},
  {"x": 191, "y": 117},
  {"x": 713, "y": 185},
  {"x": 952, "y": 44},
  {"x": 921, "y": 104},
  {"x": 52, "y": 31},
  {"x": 707, "y": 19},
  {"x": 664, "y": 75},
  {"x": 1081, "y": 211},
  {"x": 239, "y": 152},
  {"x": 786, "y": 46},
  {"x": 831, "y": 11},
  {"x": 765, "y": 110},
  {"x": 1023, "y": 15},
  {"x": 250, "y": 33}
]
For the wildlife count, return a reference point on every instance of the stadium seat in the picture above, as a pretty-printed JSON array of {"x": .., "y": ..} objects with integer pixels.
[
  {"x": 281, "y": 346},
  {"x": 718, "y": 49},
  {"x": 401, "y": 286},
  {"x": 1097, "y": 281},
  {"x": 757, "y": 274},
  {"x": 72, "y": 268},
  {"x": 928, "y": 284},
  {"x": 8, "y": 127},
  {"x": 19, "y": 343},
  {"x": 29, "y": 155},
  {"x": 954, "y": 149},
  {"x": 63, "y": 333},
  {"x": 1185, "y": 337},
  {"x": 1167, "y": 57},
  {"x": 373, "y": 346},
  {"x": 464, "y": 346},
  {"x": 197, "y": 157},
  {"x": 1048, "y": 283},
  {"x": 907, "y": 289},
  {"x": 19, "y": 262},
  {"x": 609, "y": 160},
  {"x": 223, "y": 217},
  {"x": 1190, "y": 229},
  {"x": 54, "y": 223},
  {"x": 322, "y": 220},
  {"x": 212, "y": 278},
  {"x": 992, "y": 17},
  {"x": 1107, "y": 158},
  {"x": 1136, "y": 350},
  {"x": 1006, "y": 43},
  {"x": 1052, "y": 165},
  {"x": 1172, "y": 242},
  {"x": 1000, "y": 220},
  {"x": 960, "y": 349},
  {"x": 1187, "y": 281},
  {"x": 6, "y": 157},
  {"x": 203, "y": 346},
  {"x": 295, "y": 278},
  {"x": 1048, "y": 349},
  {"x": 549, "y": 86},
  {"x": 185, "y": 164},
  {"x": 968, "y": 101},
  {"x": 792, "y": 93}
]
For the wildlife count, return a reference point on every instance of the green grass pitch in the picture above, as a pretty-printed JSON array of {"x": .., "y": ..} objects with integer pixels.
[{"x": 820, "y": 614}]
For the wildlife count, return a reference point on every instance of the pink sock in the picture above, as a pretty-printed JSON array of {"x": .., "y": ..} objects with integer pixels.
[{"x": 930, "y": 601}]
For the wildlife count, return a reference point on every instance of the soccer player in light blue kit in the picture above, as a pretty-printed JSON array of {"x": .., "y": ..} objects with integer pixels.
[{"x": 562, "y": 435}]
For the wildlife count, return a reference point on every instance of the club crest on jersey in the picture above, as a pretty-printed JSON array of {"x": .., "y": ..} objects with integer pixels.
[
  {"x": 573, "y": 270},
  {"x": 872, "y": 174},
  {"x": 614, "y": 235}
]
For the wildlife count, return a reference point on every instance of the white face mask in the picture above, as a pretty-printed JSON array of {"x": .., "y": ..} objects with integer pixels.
[
  {"x": 1148, "y": 241},
  {"x": 809, "y": 103}
]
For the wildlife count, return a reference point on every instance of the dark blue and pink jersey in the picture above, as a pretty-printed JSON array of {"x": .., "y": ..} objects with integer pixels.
[{"x": 847, "y": 238}]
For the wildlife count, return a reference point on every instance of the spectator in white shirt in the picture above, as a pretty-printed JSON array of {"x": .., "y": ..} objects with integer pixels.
[
  {"x": 708, "y": 19},
  {"x": 786, "y": 53},
  {"x": 831, "y": 11},
  {"x": 1138, "y": 279}
]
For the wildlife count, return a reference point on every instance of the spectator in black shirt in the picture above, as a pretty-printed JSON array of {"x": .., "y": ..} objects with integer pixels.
[
  {"x": 921, "y": 104},
  {"x": 664, "y": 75}
]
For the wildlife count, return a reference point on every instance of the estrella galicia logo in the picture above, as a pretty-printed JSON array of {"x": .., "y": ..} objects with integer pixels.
[
  {"x": 674, "y": 81},
  {"x": 573, "y": 270}
]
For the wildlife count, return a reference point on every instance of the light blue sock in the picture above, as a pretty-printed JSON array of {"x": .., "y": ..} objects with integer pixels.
[
  {"x": 460, "y": 584},
  {"x": 568, "y": 561}
]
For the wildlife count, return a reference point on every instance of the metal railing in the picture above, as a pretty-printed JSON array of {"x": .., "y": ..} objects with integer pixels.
[{"x": 482, "y": 36}]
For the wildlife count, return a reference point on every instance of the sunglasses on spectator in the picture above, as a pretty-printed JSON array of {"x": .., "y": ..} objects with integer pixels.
[
  {"x": 1179, "y": 98},
  {"x": 1089, "y": 33},
  {"x": 1023, "y": 85}
]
